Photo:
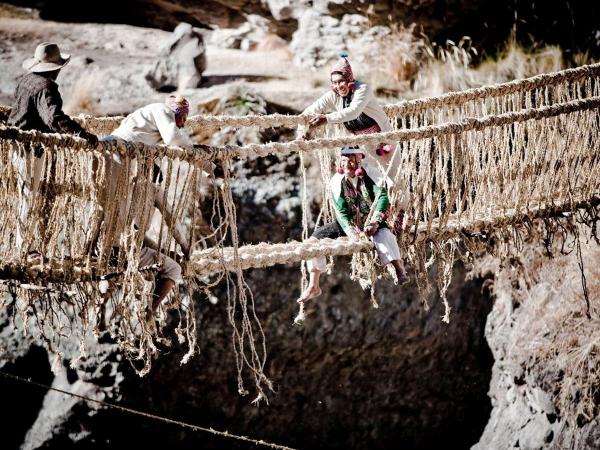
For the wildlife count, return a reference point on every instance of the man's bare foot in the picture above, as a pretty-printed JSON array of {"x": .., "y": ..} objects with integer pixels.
[{"x": 310, "y": 293}]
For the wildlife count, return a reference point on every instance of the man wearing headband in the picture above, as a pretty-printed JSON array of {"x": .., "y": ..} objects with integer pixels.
[
  {"x": 157, "y": 123},
  {"x": 356, "y": 189},
  {"x": 351, "y": 103},
  {"x": 152, "y": 124}
]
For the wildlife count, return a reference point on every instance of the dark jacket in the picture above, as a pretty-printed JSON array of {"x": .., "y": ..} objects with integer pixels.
[{"x": 38, "y": 106}]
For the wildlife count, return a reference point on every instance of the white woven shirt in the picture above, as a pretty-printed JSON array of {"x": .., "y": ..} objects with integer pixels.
[{"x": 152, "y": 124}]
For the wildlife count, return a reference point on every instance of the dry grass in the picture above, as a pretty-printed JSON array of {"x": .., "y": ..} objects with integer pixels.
[
  {"x": 550, "y": 336},
  {"x": 81, "y": 97},
  {"x": 514, "y": 63},
  {"x": 393, "y": 57},
  {"x": 403, "y": 64},
  {"x": 446, "y": 68},
  {"x": 450, "y": 68},
  {"x": 14, "y": 12}
]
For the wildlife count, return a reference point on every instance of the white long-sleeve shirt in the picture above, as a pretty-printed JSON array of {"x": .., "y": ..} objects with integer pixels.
[
  {"x": 152, "y": 124},
  {"x": 363, "y": 101}
]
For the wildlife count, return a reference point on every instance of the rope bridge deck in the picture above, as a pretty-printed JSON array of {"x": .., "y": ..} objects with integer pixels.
[{"x": 216, "y": 260}]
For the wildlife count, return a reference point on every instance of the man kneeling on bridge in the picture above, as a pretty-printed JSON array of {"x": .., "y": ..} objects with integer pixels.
[{"x": 355, "y": 188}]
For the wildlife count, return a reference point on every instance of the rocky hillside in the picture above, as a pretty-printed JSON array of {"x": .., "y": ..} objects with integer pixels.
[{"x": 573, "y": 24}]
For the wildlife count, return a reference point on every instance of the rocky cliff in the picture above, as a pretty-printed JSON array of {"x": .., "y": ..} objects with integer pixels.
[
  {"x": 573, "y": 25},
  {"x": 351, "y": 377},
  {"x": 544, "y": 380}
]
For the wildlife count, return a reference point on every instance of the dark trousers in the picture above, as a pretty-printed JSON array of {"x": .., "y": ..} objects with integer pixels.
[{"x": 331, "y": 230}]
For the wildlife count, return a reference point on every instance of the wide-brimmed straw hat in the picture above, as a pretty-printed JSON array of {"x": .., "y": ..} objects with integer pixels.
[{"x": 47, "y": 57}]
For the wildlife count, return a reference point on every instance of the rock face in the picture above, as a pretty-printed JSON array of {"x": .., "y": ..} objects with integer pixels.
[
  {"x": 543, "y": 344},
  {"x": 181, "y": 61},
  {"x": 319, "y": 38},
  {"x": 52, "y": 418},
  {"x": 245, "y": 37},
  {"x": 572, "y": 25},
  {"x": 351, "y": 377}
]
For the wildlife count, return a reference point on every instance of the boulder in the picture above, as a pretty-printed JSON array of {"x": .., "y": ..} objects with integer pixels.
[
  {"x": 320, "y": 38},
  {"x": 245, "y": 37},
  {"x": 287, "y": 9},
  {"x": 181, "y": 61}
]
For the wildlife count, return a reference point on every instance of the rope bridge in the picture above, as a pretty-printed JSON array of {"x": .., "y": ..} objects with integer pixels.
[{"x": 472, "y": 168}]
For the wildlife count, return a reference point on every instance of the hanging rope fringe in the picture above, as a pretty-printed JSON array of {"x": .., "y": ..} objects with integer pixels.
[{"x": 473, "y": 169}]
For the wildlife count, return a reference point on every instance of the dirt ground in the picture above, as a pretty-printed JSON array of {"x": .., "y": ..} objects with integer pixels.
[{"x": 108, "y": 64}]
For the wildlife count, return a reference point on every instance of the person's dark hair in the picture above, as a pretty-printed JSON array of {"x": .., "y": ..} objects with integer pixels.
[
  {"x": 337, "y": 73},
  {"x": 51, "y": 74}
]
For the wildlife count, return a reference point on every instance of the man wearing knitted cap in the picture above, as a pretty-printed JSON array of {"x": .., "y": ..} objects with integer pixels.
[
  {"x": 361, "y": 201},
  {"x": 157, "y": 123},
  {"x": 351, "y": 103}
]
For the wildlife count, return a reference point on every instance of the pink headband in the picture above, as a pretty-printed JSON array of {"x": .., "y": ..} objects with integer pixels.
[{"x": 178, "y": 104}]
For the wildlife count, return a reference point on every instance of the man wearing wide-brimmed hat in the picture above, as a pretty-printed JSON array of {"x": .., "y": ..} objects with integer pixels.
[{"x": 38, "y": 104}]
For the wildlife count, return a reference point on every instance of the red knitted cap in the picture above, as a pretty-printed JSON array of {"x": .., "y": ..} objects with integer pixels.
[{"x": 343, "y": 66}]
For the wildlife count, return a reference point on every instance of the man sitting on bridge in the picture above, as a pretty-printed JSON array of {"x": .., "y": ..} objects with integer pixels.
[{"x": 355, "y": 188}]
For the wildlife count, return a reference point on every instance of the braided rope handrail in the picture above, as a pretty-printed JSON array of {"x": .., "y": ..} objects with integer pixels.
[
  {"x": 132, "y": 149},
  {"x": 468, "y": 124},
  {"x": 394, "y": 109},
  {"x": 494, "y": 90},
  {"x": 403, "y": 107},
  {"x": 228, "y": 151}
]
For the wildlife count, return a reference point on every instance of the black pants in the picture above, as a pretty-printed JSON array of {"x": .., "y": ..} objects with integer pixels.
[
  {"x": 157, "y": 175},
  {"x": 331, "y": 230}
]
